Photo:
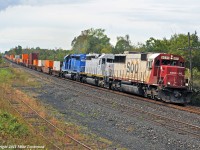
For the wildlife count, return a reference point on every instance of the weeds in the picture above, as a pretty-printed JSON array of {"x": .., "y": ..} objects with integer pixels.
[{"x": 10, "y": 125}]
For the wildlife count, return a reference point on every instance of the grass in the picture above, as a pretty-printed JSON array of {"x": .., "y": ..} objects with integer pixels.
[{"x": 13, "y": 128}]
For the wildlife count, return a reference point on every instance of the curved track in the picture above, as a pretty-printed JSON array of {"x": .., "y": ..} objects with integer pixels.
[
  {"x": 174, "y": 124},
  {"x": 33, "y": 118}
]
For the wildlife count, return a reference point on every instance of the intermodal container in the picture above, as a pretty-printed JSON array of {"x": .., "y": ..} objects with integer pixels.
[
  {"x": 35, "y": 62},
  {"x": 17, "y": 56},
  {"x": 41, "y": 63},
  {"x": 25, "y": 61},
  {"x": 48, "y": 64},
  {"x": 18, "y": 60},
  {"x": 24, "y": 56},
  {"x": 11, "y": 57},
  {"x": 56, "y": 65},
  {"x": 32, "y": 57}
]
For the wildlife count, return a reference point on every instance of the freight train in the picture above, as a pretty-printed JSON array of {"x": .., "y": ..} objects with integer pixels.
[{"x": 158, "y": 76}]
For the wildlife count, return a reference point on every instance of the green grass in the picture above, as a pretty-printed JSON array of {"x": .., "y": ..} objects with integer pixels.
[
  {"x": 10, "y": 126},
  {"x": 5, "y": 75}
]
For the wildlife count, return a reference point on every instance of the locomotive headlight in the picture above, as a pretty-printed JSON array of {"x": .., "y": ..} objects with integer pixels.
[
  {"x": 168, "y": 83},
  {"x": 186, "y": 84}
]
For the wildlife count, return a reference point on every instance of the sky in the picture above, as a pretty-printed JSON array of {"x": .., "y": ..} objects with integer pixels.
[{"x": 53, "y": 24}]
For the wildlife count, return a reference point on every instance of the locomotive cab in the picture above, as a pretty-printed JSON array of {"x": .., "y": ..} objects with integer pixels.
[{"x": 168, "y": 74}]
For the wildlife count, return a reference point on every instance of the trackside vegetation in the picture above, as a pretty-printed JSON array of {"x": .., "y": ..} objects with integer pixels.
[{"x": 13, "y": 129}]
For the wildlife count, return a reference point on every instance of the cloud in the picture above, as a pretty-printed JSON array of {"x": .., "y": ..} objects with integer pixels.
[
  {"x": 54, "y": 23},
  {"x": 10, "y": 3}
]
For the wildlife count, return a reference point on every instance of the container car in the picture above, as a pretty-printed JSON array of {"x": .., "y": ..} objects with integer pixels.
[
  {"x": 35, "y": 64},
  {"x": 24, "y": 56},
  {"x": 40, "y": 64},
  {"x": 48, "y": 66},
  {"x": 56, "y": 68},
  {"x": 32, "y": 57}
]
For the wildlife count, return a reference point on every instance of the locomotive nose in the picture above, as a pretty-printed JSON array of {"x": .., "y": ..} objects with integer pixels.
[{"x": 177, "y": 94}]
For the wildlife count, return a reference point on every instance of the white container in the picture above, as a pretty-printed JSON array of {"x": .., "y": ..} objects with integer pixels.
[
  {"x": 41, "y": 63},
  {"x": 17, "y": 56},
  {"x": 56, "y": 65}
]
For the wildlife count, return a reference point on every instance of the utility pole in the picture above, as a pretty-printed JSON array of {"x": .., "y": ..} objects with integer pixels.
[
  {"x": 190, "y": 59},
  {"x": 191, "y": 74}
]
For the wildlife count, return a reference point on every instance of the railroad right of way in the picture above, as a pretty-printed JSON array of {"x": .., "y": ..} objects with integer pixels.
[{"x": 110, "y": 115}]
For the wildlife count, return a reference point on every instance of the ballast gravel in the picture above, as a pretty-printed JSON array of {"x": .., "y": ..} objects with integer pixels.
[{"x": 81, "y": 105}]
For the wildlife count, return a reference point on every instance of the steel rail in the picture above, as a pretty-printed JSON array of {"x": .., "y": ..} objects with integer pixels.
[{"x": 12, "y": 104}]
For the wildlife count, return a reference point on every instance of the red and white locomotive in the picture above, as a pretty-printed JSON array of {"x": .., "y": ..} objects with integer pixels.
[{"x": 154, "y": 75}]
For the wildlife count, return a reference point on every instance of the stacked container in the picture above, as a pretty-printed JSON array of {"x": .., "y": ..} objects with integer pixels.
[
  {"x": 56, "y": 68},
  {"x": 40, "y": 64},
  {"x": 17, "y": 57},
  {"x": 35, "y": 62},
  {"x": 12, "y": 57},
  {"x": 32, "y": 56},
  {"x": 25, "y": 59},
  {"x": 48, "y": 66}
]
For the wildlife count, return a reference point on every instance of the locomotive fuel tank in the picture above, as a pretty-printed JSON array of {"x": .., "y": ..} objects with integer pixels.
[
  {"x": 133, "y": 89},
  {"x": 68, "y": 76},
  {"x": 91, "y": 81}
]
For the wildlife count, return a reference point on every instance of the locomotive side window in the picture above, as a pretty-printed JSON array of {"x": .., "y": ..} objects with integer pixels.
[
  {"x": 109, "y": 60},
  {"x": 120, "y": 59},
  {"x": 103, "y": 60},
  {"x": 76, "y": 57},
  {"x": 149, "y": 64},
  {"x": 157, "y": 63},
  {"x": 89, "y": 57},
  {"x": 143, "y": 57},
  {"x": 182, "y": 64}
]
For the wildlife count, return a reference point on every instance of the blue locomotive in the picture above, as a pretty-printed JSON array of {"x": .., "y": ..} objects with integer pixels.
[{"x": 73, "y": 65}]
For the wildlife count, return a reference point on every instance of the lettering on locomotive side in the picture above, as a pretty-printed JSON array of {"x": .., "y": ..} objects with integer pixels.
[
  {"x": 165, "y": 57},
  {"x": 180, "y": 73},
  {"x": 132, "y": 67}
]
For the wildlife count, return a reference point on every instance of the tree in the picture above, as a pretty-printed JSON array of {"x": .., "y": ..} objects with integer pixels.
[
  {"x": 91, "y": 41},
  {"x": 123, "y": 44},
  {"x": 156, "y": 45}
]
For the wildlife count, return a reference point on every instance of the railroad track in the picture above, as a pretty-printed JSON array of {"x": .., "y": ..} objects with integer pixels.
[
  {"x": 182, "y": 127},
  {"x": 45, "y": 128}
]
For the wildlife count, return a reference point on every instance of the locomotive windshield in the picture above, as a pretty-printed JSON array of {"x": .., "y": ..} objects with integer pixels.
[{"x": 172, "y": 63}]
